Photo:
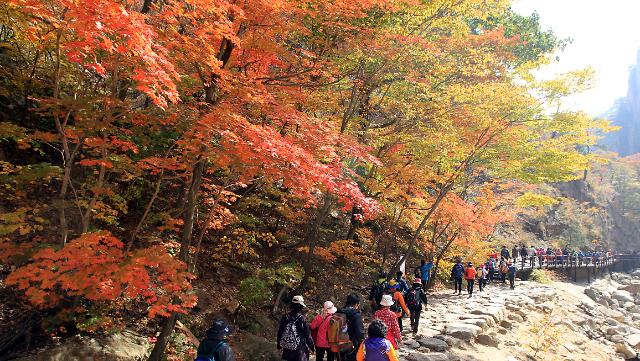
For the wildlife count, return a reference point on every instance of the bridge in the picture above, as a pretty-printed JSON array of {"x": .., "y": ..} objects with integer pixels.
[{"x": 578, "y": 268}]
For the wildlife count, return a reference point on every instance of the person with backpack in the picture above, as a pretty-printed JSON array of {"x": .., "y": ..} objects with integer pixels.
[
  {"x": 215, "y": 346},
  {"x": 294, "y": 335},
  {"x": 376, "y": 347},
  {"x": 491, "y": 269},
  {"x": 389, "y": 318},
  {"x": 457, "y": 272},
  {"x": 377, "y": 290},
  {"x": 482, "y": 276},
  {"x": 399, "y": 307},
  {"x": 512, "y": 275},
  {"x": 414, "y": 299},
  {"x": 351, "y": 315},
  {"x": 403, "y": 286},
  {"x": 504, "y": 253},
  {"x": 470, "y": 276},
  {"x": 319, "y": 327},
  {"x": 503, "y": 271}
]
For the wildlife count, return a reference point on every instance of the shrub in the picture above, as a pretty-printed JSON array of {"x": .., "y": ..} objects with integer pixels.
[{"x": 254, "y": 292}]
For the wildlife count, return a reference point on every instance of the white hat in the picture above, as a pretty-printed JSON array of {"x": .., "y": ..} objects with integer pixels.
[
  {"x": 330, "y": 308},
  {"x": 299, "y": 300},
  {"x": 386, "y": 301}
]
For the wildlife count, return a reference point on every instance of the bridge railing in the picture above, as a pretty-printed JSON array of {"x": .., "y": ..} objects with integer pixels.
[{"x": 564, "y": 261}]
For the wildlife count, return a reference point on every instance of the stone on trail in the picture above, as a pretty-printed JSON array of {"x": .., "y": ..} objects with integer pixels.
[
  {"x": 482, "y": 323},
  {"x": 434, "y": 344},
  {"x": 609, "y": 313},
  {"x": 626, "y": 350},
  {"x": 632, "y": 288},
  {"x": 487, "y": 340},
  {"x": 633, "y": 340},
  {"x": 433, "y": 356},
  {"x": 506, "y": 324},
  {"x": 495, "y": 312},
  {"x": 463, "y": 331},
  {"x": 412, "y": 344},
  {"x": 451, "y": 341},
  {"x": 622, "y": 296},
  {"x": 515, "y": 317}
]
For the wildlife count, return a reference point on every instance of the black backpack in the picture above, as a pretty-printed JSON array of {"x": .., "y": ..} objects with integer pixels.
[
  {"x": 413, "y": 299},
  {"x": 377, "y": 291}
]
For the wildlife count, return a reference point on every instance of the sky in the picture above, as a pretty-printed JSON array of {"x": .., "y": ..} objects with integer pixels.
[{"x": 605, "y": 36}]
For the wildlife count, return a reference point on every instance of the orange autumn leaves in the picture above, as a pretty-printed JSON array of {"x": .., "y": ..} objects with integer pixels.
[{"x": 95, "y": 267}]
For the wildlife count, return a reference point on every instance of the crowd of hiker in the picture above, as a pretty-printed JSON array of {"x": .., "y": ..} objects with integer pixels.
[
  {"x": 553, "y": 257},
  {"x": 339, "y": 333}
]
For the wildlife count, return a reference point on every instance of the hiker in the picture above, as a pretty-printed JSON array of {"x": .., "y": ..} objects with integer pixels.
[
  {"x": 524, "y": 254},
  {"x": 482, "y": 277},
  {"x": 355, "y": 327},
  {"x": 294, "y": 335},
  {"x": 504, "y": 253},
  {"x": 215, "y": 346},
  {"x": 377, "y": 290},
  {"x": 503, "y": 271},
  {"x": 470, "y": 276},
  {"x": 514, "y": 252},
  {"x": 512, "y": 275},
  {"x": 491, "y": 268},
  {"x": 399, "y": 307},
  {"x": 376, "y": 347},
  {"x": 457, "y": 271},
  {"x": 425, "y": 272},
  {"x": 389, "y": 318},
  {"x": 532, "y": 256},
  {"x": 319, "y": 327},
  {"x": 414, "y": 299},
  {"x": 403, "y": 286}
]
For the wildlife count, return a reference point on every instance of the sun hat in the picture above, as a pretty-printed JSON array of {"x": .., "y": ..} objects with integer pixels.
[
  {"x": 330, "y": 308},
  {"x": 469, "y": 264},
  {"x": 386, "y": 301},
  {"x": 417, "y": 280},
  {"x": 299, "y": 300},
  {"x": 219, "y": 330}
]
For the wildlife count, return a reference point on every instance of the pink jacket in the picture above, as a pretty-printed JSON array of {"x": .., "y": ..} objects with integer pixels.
[{"x": 321, "y": 324}]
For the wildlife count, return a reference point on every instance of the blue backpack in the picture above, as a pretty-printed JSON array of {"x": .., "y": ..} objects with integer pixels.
[{"x": 210, "y": 357}]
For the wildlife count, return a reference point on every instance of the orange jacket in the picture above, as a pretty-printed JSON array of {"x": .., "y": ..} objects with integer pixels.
[{"x": 399, "y": 298}]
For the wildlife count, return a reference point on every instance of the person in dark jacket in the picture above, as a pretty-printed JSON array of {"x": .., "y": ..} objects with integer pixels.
[
  {"x": 457, "y": 271},
  {"x": 504, "y": 253},
  {"x": 403, "y": 286},
  {"x": 297, "y": 320},
  {"x": 355, "y": 326},
  {"x": 415, "y": 298},
  {"x": 216, "y": 345},
  {"x": 512, "y": 275},
  {"x": 377, "y": 290}
]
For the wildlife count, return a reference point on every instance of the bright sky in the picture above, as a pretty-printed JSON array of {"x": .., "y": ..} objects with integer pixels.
[{"x": 605, "y": 36}]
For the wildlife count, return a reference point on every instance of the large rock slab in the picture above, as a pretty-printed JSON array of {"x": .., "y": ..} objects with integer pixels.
[
  {"x": 463, "y": 331},
  {"x": 633, "y": 340},
  {"x": 122, "y": 346},
  {"x": 622, "y": 296},
  {"x": 497, "y": 313},
  {"x": 434, "y": 344}
]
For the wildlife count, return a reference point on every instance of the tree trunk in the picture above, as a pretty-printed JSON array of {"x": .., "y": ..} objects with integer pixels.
[
  {"x": 185, "y": 244},
  {"x": 312, "y": 238}
]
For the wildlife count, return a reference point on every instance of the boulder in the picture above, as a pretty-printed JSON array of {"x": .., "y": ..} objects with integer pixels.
[
  {"x": 121, "y": 346},
  {"x": 632, "y": 288},
  {"x": 592, "y": 293},
  {"x": 609, "y": 313},
  {"x": 622, "y": 296},
  {"x": 482, "y": 323},
  {"x": 463, "y": 331},
  {"x": 495, "y": 312},
  {"x": 487, "y": 340},
  {"x": 633, "y": 340},
  {"x": 434, "y": 344},
  {"x": 626, "y": 350}
]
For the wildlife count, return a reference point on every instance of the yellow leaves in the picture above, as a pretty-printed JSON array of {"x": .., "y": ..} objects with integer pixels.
[{"x": 529, "y": 199}]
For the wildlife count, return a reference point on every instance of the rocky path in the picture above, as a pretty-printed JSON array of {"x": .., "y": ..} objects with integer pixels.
[{"x": 532, "y": 322}]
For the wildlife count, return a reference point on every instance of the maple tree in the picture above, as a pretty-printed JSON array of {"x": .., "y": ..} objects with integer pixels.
[{"x": 138, "y": 136}]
